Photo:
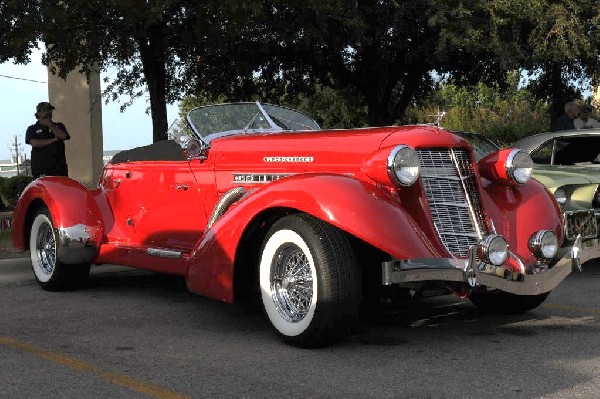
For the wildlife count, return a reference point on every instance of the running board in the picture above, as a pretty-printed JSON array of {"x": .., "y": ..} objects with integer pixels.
[{"x": 164, "y": 253}]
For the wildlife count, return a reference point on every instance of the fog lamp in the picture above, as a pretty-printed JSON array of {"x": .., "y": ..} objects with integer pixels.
[
  {"x": 493, "y": 250},
  {"x": 544, "y": 244}
]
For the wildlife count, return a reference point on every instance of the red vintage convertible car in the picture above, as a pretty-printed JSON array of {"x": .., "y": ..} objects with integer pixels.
[{"x": 315, "y": 221}]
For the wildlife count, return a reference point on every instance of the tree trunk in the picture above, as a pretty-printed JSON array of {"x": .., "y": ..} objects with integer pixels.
[
  {"x": 152, "y": 55},
  {"x": 410, "y": 82},
  {"x": 557, "y": 94}
]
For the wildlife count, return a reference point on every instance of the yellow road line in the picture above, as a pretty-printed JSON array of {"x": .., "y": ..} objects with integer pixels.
[
  {"x": 569, "y": 308},
  {"x": 79, "y": 365}
]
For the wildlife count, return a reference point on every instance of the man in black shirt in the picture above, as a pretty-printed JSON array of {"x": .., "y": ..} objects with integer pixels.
[{"x": 47, "y": 144}]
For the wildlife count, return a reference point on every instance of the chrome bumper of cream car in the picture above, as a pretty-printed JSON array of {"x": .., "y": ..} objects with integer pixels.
[
  {"x": 536, "y": 281},
  {"x": 74, "y": 244}
]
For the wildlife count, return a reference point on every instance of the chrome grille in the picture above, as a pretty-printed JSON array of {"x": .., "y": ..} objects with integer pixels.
[{"x": 453, "y": 196}]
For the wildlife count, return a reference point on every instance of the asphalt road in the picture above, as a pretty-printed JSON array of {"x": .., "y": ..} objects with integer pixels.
[{"x": 131, "y": 334}]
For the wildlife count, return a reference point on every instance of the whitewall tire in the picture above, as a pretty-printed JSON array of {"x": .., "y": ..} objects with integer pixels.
[
  {"x": 49, "y": 271},
  {"x": 309, "y": 281}
]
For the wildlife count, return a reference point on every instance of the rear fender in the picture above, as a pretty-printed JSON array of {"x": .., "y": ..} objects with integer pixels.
[
  {"x": 74, "y": 212},
  {"x": 362, "y": 210}
]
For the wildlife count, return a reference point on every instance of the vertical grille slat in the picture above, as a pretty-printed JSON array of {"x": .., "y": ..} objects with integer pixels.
[{"x": 453, "y": 196}]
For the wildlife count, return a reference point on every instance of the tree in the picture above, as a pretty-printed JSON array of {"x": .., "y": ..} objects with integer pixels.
[
  {"x": 382, "y": 51},
  {"x": 557, "y": 41},
  {"x": 506, "y": 114},
  {"x": 144, "y": 40},
  {"x": 19, "y": 33},
  {"x": 169, "y": 48},
  {"x": 384, "y": 54},
  {"x": 388, "y": 54}
]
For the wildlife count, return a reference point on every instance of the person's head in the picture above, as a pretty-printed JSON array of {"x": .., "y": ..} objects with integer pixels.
[
  {"x": 572, "y": 109},
  {"x": 586, "y": 112},
  {"x": 44, "y": 110}
]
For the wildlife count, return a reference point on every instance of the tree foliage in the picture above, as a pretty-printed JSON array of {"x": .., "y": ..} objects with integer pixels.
[
  {"x": 144, "y": 41},
  {"x": 557, "y": 41},
  {"x": 370, "y": 59},
  {"x": 19, "y": 29},
  {"x": 381, "y": 51},
  {"x": 505, "y": 112}
]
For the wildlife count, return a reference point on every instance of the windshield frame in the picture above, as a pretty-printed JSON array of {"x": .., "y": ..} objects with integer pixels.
[
  {"x": 274, "y": 128},
  {"x": 470, "y": 136}
]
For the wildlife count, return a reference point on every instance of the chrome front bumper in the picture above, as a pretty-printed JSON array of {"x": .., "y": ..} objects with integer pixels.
[{"x": 534, "y": 282}]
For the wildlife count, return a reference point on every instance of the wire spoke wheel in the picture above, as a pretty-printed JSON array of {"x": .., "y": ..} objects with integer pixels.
[
  {"x": 291, "y": 283},
  {"x": 46, "y": 248}
]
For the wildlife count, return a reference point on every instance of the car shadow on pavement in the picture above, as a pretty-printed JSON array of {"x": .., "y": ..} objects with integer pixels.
[{"x": 394, "y": 325}]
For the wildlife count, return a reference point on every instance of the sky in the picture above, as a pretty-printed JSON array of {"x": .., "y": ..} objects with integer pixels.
[{"x": 18, "y": 98}]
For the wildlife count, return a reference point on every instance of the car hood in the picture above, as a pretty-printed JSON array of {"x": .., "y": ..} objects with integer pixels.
[
  {"x": 332, "y": 151},
  {"x": 557, "y": 176}
]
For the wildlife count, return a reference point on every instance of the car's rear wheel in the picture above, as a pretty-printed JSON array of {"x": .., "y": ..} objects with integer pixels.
[
  {"x": 505, "y": 303},
  {"x": 309, "y": 281},
  {"x": 49, "y": 271}
]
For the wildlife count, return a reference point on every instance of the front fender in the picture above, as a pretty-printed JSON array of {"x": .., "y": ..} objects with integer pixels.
[
  {"x": 519, "y": 212},
  {"x": 363, "y": 210},
  {"x": 74, "y": 212}
]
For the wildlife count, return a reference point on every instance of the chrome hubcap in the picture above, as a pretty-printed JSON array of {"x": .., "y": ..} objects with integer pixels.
[
  {"x": 291, "y": 283},
  {"x": 46, "y": 249}
]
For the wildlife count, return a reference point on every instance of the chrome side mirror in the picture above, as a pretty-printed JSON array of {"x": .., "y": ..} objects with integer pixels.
[{"x": 191, "y": 147}]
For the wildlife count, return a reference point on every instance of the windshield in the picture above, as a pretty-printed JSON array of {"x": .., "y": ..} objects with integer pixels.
[
  {"x": 227, "y": 119},
  {"x": 482, "y": 146}
]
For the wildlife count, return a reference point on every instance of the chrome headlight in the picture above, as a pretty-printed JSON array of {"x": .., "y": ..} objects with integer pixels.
[
  {"x": 544, "y": 244},
  {"x": 403, "y": 165},
  {"x": 519, "y": 166},
  {"x": 493, "y": 250}
]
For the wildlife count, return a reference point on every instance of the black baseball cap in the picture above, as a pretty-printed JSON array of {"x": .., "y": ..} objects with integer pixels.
[{"x": 44, "y": 107}]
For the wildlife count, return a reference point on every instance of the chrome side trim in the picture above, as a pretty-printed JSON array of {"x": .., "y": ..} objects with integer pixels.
[
  {"x": 74, "y": 244},
  {"x": 231, "y": 196},
  {"x": 164, "y": 253},
  {"x": 493, "y": 277},
  {"x": 253, "y": 178}
]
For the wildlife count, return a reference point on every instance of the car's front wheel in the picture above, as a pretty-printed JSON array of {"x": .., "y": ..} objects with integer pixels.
[
  {"x": 505, "y": 303},
  {"x": 49, "y": 271},
  {"x": 309, "y": 281}
]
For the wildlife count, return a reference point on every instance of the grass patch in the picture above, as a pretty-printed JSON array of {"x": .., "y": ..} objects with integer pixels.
[
  {"x": 5, "y": 241},
  {"x": 6, "y": 248}
]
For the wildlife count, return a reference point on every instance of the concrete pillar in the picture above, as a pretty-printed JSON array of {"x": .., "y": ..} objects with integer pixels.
[{"x": 79, "y": 106}]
